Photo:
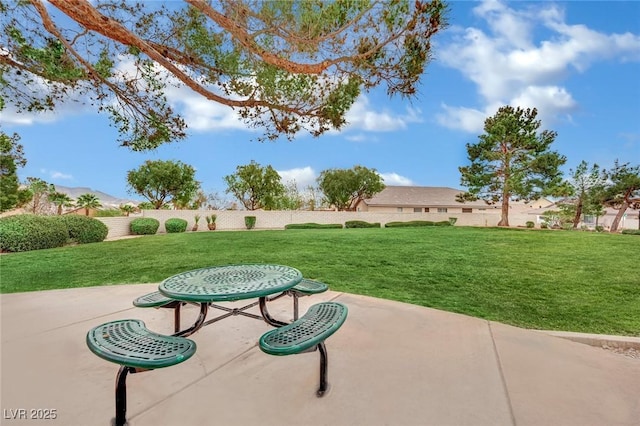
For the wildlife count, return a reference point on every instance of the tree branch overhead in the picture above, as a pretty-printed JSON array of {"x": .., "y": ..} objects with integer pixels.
[{"x": 284, "y": 67}]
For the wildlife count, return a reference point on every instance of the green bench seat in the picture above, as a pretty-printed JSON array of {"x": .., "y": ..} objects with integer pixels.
[
  {"x": 153, "y": 300},
  {"x": 135, "y": 348},
  {"x": 305, "y": 288},
  {"x": 306, "y": 334},
  {"x": 156, "y": 299}
]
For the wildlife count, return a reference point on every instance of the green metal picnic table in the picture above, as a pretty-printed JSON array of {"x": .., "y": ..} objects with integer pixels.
[{"x": 230, "y": 283}]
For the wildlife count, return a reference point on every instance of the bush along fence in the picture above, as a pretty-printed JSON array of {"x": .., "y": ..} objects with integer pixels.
[
  {"x": 31, "y": 232},
  {"x": 235, "y": 219}
]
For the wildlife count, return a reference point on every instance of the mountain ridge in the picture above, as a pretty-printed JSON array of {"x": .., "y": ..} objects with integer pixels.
[{"x": 106, "y": 200}]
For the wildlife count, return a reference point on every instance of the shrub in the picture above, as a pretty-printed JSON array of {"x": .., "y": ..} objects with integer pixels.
[
  {"x": 361, "y": 224},
  {"x": 84, "y": 229},
  {"x": 453, "y": 220},
  {"x": 250, "y": 222},
  {"x": 415, "y": 223},
  {"x": 107, "y": 213},
  {"x": 530, "y": 224},
  {"x": 544, "y": 225},
  {"x": 443, "y": 223},
  {"x": 631, "y": 231},
  {"x": 30, "y": 232},
  {"x": 175, "y": 225},
  {"x": 144, "y": 226},
  {"x": 551, "y": 219},
  {"x": 313, "y": 226},
  {"x": 599, "y": 228}
]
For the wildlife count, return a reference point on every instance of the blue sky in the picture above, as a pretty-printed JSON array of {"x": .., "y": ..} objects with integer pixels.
[{"x": 577, "y": 62}]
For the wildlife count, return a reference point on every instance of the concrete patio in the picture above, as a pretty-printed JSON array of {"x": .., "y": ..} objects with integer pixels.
[{"x": 390, "y": 364}]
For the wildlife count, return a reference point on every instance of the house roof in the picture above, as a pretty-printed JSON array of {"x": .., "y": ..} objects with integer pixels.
[{"x": 420, "y": 196}]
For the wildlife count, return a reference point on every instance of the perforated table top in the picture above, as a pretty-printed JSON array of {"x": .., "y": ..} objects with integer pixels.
[{"x": 231, "y": 282}]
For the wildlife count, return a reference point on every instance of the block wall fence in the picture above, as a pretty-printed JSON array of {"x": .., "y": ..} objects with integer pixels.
[{"x": 234, "y": 219}]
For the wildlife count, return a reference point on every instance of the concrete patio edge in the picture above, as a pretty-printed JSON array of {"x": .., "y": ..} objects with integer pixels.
[{"x": 599, "y": 340}]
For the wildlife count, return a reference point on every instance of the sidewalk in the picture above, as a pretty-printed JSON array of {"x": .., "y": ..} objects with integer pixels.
[{"x": 390, "y": 364}]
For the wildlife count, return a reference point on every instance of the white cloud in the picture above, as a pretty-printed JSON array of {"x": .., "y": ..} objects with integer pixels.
[
  {"x": 509, "y": 66},
  {"x": 507, "y": 23},
  {"x": 56, "y": 175},
  {"x": 362, "y": 116},
  {"x": 551, "y": 101},
  {"x": 10, "y": 117},
  {"x": 60, "y": 175},
  {"x": 467, "y": 119},
  {"x": 71, "y": 106},
  {"x": 395, "y": 179},
  {"x": 203, "y": 115},
  {"x": 303, "y": 177}
]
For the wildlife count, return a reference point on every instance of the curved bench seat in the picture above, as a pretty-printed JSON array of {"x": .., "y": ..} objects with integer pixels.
[
  {"x": 305, "y": 287},
  {"x": 308, "y": 287},
  {"x": 152, "y": 300},
  {"x": 130, "y": 343},
  {"x": 307, "y": 333},
  {"x": 135, "y": 348}
]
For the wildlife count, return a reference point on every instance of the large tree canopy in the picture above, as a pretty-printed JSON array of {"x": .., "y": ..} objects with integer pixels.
[
  {"x": 256, "y": 187},
  {"x": 162, "y": 182},
  {"x": 511, "y": 160},
  {"x": 285, "y": 66},
  {"x": 345, "y": 188}
]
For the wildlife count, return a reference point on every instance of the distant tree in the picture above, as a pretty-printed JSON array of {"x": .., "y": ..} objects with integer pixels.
[
  {"x": 88, "y": 201},
  {"x": 38, "y": 195},
  {"x": 345, "y": 188},
  {"x": 512, "y": 160},
  {"x": 162, "y": 182},
  {"x": 11, "y": 157},
  {"x": 127, "y": 209},
  {"x": 554, "y": 218},
  {"x": 290, "y": 199},
  {"x": 256, "y": 187},
  {"x": 285, "y": 66},
  {"x": 60, "y": 200},
  {"x": 593, "y": 205},
  {"x": 312, "y": 198},
  {"x": 583, "y": 186},
  {"x": 193, "y": 201},
  {"x": 146, "y": 205},
  {"x": 623, "y": 191},
  {"x": 216, "y": 201},
  {"x": 199, "y": 200}
]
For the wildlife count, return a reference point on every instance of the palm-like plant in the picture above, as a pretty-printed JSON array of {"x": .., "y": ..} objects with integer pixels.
[
  {"x": 127, "y": 209},
  {"x": 60, "y": 200},
  {"x": 88, "y": 201}
]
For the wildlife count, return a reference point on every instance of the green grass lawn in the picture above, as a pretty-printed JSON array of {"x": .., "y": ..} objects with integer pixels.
[{"x": 560, "y": 280}]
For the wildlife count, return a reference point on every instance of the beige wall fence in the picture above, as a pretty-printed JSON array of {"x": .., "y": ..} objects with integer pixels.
[{"x": 234, "y": 219}]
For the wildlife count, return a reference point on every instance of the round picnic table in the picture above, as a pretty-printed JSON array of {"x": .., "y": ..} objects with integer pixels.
[{"x": 230, "y": 282}]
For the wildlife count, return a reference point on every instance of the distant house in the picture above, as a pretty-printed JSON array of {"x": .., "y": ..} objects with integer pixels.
[{"x": 434, "y": 199}]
